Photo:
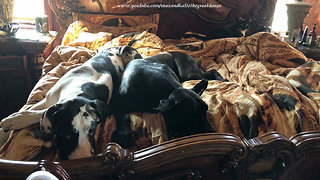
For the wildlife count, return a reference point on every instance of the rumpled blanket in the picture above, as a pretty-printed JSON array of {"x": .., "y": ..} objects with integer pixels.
[{"x": 271, "y": 87}]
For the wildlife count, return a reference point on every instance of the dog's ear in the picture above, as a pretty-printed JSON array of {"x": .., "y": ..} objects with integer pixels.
[
  {"x": 101, "y": 108},
  {"x": 187, "y": 67},
  {"x": 132, "y": 42},
  {"x": 124, "y": 49},
  {"x": 46, "y": 122},
  {"x": 200, "y": 87},
  {"x": 128, "y": 53},
  {"x": 214, "y": 75}
]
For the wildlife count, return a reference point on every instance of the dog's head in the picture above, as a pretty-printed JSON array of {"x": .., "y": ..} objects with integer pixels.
[
  {"x": 73, "y": 125},
  {"x": 128, "y": 53},
  {"x": 188, "y": 68},
  {"x": 185, "y": 112}
]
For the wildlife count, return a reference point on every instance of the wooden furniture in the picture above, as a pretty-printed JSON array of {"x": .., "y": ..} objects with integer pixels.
[
  {"x": 310, "y": 52},
  {"x": 21, "y": 58},
  {"x": 203, "y": 156},
  {"x": 224, "y": 15}
]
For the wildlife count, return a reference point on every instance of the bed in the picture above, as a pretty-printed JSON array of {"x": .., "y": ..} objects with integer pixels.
[{"x": 270, "y": 84}]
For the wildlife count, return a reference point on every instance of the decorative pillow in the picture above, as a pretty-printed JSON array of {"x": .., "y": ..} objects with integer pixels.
[
  {"x": 91, "y": 41},
  {"x": 79, "y": 34},
  {"x": 84, "y": 34},
  {"x": 119, "y": 24},
  {"x": 147, "y": 44}
]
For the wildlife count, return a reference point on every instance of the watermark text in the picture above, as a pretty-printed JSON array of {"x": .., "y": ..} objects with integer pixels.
[{"x": 158, "y": 6}]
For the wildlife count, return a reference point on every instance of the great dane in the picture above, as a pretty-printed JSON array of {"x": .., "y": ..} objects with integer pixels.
[
  {"x": 153, "y": 87},
  {"x": 77, "y": 102},
  {"x": 184, "y": 66}
]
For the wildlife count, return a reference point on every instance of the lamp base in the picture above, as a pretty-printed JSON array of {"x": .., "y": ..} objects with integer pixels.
[{"x": 297, "y": 11}]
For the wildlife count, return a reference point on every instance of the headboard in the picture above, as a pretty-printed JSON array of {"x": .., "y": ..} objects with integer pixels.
[{"x": 173, "y": 17}]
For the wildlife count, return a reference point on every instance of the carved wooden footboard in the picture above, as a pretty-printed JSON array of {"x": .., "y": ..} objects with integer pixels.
[{"x": 203, "y": 156}]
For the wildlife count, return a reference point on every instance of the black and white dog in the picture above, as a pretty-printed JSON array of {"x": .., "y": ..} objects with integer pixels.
[
  {"x": 154, "y": 87},
  {"x": 77, "y": 102},
  {"x": 184, "y": 66}
]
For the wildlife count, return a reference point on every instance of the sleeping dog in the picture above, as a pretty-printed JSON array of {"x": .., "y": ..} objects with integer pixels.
[
  {"x": 184, "y": 66},
  {"x": 77, "y": 102},
  {"x": 154, "y": 87}
]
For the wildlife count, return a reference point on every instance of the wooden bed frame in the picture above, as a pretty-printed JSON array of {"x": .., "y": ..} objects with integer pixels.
[
  {"x": 224, "y": 14},
  {"x": 203, "y": 156}
]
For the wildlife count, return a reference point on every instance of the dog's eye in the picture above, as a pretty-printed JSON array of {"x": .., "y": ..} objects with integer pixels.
[
  {"x": 68, "y": 136},
  {"x": 85, "y": 114}
]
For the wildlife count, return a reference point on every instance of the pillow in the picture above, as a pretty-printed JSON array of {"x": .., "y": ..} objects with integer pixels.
[
  {"x": 78, "y": 34},
  {"x": 147, "y": 44},
  {"x": 118, "y": 24}
]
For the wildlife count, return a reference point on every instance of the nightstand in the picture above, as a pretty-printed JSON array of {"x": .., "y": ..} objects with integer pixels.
[{"x": 21, "y": 60}]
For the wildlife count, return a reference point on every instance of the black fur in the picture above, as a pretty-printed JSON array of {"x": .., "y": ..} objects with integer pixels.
[
  {"x": 184, "y": 66},
  {"x": 95, "y": 91},
  {"x": 154, "y": 87}
]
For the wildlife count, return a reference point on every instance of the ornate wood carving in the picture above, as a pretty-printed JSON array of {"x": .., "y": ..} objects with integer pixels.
[
  {"x": 307, "y": 154},
  {"x": 119, "y": 25},
  {"x": 54, "y": 168},
  {"x": 184, "y": 174},
  {"x": 203, "y": 156},
  {"x": 261, "y": 19},
  {"x": 63, "y": 10},
  {"x": 200, "y": 150},
  {"x": 119, "y": 160},
  {"x": 307, "y": 143},
  {"x": 219, "y": 14},
  {"x": 270, "y": 156}
]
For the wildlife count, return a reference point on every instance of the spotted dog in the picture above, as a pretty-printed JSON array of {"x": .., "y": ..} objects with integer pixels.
[{"x": 77, "y": 102}]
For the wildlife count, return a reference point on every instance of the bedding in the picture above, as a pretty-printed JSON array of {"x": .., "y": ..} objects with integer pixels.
[{"x": 271, "y": 87}]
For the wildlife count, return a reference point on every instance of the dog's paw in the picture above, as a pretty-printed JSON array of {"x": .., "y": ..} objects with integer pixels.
[{"x": 20, "y": 120}]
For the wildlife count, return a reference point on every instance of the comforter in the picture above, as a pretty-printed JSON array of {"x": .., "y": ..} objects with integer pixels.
[{"x": 271, "y": 87}]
